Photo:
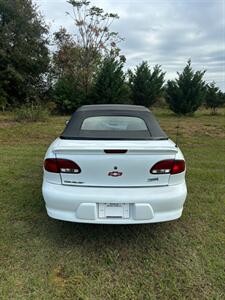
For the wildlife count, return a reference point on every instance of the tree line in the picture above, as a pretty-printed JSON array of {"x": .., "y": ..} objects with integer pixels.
[{"x": 86, "y": 67}]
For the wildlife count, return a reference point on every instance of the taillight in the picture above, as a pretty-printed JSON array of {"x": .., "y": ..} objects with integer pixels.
[
  {"x": 178, "y": 167},
  {"x": 59, "y": 165},
  {"x": 169, "y": 166}
]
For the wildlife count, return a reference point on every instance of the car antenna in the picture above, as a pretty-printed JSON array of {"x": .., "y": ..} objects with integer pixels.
[{"x": 177, "y": 133}]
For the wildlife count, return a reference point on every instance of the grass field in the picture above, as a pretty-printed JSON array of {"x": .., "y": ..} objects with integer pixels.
[{"x": 41, "y": 258}]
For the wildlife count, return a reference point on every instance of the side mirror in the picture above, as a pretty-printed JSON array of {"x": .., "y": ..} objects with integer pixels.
[{"x": 67, "y": 122}]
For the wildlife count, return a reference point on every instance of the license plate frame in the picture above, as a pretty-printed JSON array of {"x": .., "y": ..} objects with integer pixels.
[{"x": 114, "y": 210}]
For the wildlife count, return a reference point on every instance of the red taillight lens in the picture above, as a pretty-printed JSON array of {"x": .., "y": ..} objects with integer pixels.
[
  {"x": 169, "y": 166},
  {"x": 178, "y": 167},
  {"x": 50, "y": 165},
  {"x": 59, "y": 165}
]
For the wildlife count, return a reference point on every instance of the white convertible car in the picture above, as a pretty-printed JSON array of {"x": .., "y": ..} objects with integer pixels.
[{"x": 113, "y": 164}]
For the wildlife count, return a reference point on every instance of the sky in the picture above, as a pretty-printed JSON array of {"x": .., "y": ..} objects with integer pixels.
[{"x": 164, "y": 32}]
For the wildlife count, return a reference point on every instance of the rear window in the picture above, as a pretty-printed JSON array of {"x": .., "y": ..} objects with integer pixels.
[{"x": 113, "y": 123}]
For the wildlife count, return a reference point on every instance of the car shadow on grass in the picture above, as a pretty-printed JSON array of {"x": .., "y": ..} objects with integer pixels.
[{"x": 113, "y": 236}]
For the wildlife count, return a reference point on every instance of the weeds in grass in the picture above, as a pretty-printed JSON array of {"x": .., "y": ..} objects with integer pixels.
[{"x": 31, "y": 113}]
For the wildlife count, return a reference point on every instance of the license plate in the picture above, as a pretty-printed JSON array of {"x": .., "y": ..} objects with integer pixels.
[{"x": 113, "y": 210}]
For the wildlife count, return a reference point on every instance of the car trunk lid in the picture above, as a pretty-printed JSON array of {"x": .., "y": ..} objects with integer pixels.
[{"x": 115, "y": 163}]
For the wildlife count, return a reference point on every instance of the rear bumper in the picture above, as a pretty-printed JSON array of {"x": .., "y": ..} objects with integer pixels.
[{"x": 81, "y": 204}]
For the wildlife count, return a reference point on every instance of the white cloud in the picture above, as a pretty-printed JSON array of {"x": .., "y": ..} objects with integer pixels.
[{"x": 166, "y": 32}]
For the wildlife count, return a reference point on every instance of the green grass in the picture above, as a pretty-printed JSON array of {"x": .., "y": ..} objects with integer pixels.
[{"x": 41, "y": 258}]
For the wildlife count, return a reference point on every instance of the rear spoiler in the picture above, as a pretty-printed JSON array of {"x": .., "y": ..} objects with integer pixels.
[{"x": 100, "y": 150}]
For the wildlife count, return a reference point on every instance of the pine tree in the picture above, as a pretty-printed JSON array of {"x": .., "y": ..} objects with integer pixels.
[
  {"x": 68, "y": 94},
  {"x": 23, "y": 51},
  {"x": 214, "y": 97},
  {"x": 146, "y": 85},
  {"x": 186, "y": 93},
  {"x": 110, "y": 85}
]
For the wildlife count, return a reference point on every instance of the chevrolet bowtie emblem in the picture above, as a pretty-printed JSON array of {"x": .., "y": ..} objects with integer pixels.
[{"x": 115, "y": 173}]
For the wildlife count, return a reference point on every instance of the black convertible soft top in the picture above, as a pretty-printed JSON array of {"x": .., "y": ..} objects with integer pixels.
[{"x": 73, "y": 129}]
